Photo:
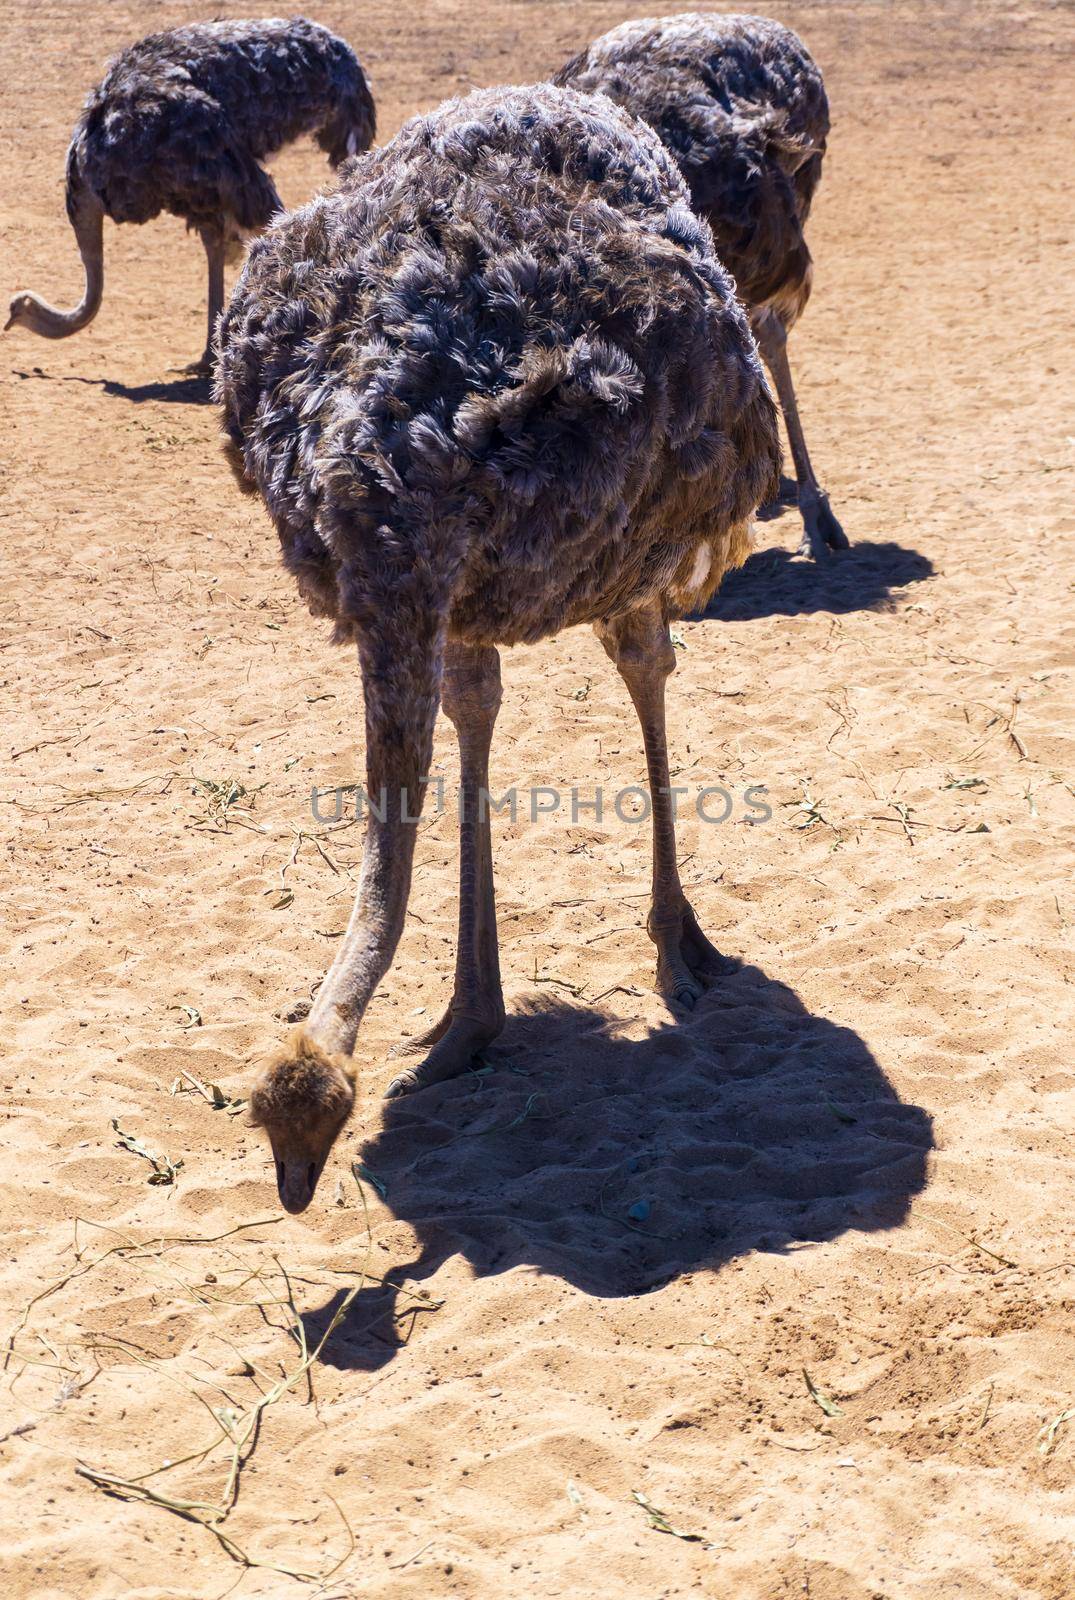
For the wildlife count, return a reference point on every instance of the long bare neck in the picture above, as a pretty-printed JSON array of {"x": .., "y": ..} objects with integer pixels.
[
  {"x": 402, "y": 689},
  {"x": 87, "y": 220}
]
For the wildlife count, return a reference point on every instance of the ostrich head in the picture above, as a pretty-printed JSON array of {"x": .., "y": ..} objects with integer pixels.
[
  {"x": 30, "y": 311},
  {"x": 302, "y": 1099},
  {"x": 21, "y": 312}
]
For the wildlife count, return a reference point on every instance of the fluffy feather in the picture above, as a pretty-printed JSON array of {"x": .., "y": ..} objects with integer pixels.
[
  {"x": 498, "y": 382},
  {"x": 740, "y": 106},
  {"x": 181, "y": 119},
  {"x": 301, "y": 1080}
]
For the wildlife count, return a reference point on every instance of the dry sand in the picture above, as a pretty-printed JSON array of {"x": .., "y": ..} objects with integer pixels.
[{"x": 634, "y": 1233}]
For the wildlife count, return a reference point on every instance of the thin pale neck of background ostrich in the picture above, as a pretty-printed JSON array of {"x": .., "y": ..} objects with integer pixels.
[{"x": 180, "y": 123}]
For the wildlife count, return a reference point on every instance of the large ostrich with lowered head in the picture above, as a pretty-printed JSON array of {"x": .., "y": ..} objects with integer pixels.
[
  {"x": 498, "y": 384},
  {"x": 740, "y": 106},
  {"x": 180, "y": 124},
  {"x": 495, "y": 386}
]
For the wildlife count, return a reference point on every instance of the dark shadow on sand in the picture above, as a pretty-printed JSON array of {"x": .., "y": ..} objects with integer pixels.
[
  {"x": 773, "y": 582},
  {"x": 618, "y": 1165},
  {"x": 182, "y": 390}
]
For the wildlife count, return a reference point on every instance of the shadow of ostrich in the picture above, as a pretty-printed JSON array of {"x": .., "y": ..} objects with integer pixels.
[
  {"x": 772, "y": 583},
  {"x": 619, "y": 1164},
  {"x": 192, "y": 389}
]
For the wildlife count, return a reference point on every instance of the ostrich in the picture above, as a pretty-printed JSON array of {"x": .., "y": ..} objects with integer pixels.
[
  {"x": 496, "y": 385},
  {"x": 740, "y": 106},
  {"x": 180, "y": 124}
]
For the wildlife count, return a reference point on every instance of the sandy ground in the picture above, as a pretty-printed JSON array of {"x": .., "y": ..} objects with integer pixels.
[{"x": 604, "y": 1267}]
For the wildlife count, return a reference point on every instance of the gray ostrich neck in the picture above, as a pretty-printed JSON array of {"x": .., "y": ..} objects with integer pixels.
[
  {"x": 372, "y": 933},
  {"x": 399, "y": 739},
  {"x": 88, "y": 225}
]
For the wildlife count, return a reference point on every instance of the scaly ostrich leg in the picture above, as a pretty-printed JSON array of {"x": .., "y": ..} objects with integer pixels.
[
  {"x": 640, "y": 646},
  {"x": 821, "y": 531},
  {"x": 470, "y": 697},
  {"x": 213, "y": 240}
]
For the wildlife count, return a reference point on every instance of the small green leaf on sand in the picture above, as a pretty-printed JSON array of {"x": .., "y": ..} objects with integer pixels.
[
  {"x": 361, "y": 1172},
  {"x": 1048, "y": 1433},
  {"x": 659, "y": 1522},
  {"x": 210, "y": 1092},
  {"x": 164, "y": 1170},
  {"x": 830, "y": 1408},
  {"x": 191, "y": 1015}
]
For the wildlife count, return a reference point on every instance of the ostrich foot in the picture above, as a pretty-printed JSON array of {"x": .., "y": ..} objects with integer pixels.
[
  {"x": 202, "y": 368},
  {"x": 451, "y": 1044},
  {"x": 421, "y": 1043},
  {"x": 686, "y": 960},
  {"x": 821, "y": 531}
]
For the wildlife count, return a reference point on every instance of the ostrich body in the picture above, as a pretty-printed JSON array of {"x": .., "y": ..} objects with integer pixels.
[
  {"x": 180, "y": 123},
  {"x": 740, "y": 106},
  {"x": 496, "y": 385}
]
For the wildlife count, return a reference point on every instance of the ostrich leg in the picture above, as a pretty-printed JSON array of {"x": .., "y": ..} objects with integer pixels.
[
  {"x": 213, "y": 240},
  {"x": 470, "y": 696},
  {"x": 821, "y": 531},
  {"x": 640, "y": 646}
]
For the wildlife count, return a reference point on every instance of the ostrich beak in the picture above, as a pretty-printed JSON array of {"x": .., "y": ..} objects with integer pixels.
[
  {"x": 10, "y": 323},
  {"x": 299, "y": 1157},
  {"x": 296, "y": 1180}
]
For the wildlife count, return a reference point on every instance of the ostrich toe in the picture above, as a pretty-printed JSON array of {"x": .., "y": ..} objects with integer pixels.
[
  {"x": 455, "y": 1042},
  {"x": 821, "y": 531}
]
